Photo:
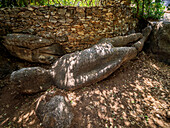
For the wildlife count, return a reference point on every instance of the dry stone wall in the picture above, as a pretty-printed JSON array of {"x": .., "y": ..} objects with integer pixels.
[{"x": 75, "y": 28}]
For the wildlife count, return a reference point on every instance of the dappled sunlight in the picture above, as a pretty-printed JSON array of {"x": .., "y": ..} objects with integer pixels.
[
  {"x": 3, "y": 122},
  {"x": 136, "y": 95},
  {"x": 138, "y": 101},
  {"x": 25, "y": 119},
  {"x": 154, "y": 66},
  {"x": 24, "y": 116},
  {"x": 75, "y": 70}
]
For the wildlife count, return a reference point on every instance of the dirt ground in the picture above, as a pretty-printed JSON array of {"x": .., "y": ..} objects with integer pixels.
[{"x": 135, "y": 96}]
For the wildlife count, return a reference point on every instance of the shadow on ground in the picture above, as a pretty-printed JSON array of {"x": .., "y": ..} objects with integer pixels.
[{"x": 136, "y": 95}]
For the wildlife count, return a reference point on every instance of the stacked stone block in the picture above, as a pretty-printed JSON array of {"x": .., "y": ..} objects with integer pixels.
[{"x": 75, "y": 28}]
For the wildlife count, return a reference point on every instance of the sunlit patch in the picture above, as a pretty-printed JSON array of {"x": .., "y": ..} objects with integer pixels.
[
  {"x": 154, "y": 66},
  {"x": 3, "y": 122},
  {"x": 127, "y": 123},
  {"x": 148, "y": 82},
  {"x": 31, "y": 122},
  {"x": 14, "y": 119},
  {"x": 140, "y": 88}
]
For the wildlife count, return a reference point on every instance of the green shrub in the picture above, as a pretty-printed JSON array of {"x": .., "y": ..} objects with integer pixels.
[
  {"x": 22, "y": 3},
  {"x": 148, "y": 9}
]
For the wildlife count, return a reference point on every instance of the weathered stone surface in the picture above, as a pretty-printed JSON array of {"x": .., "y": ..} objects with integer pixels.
[
  {"x": 89, "y": 66},
  {"x": 54, "y": 112},
  {"x": 73, "y": 71},
  {"x": 159, "y": 43},
  {"x": 31, "y": 80},
  {"x": 33, "y": 48},
  {"x": 53, "y": 22},
  {"x": 120, "y": 41},
  {"x": 146, "y": 32}
]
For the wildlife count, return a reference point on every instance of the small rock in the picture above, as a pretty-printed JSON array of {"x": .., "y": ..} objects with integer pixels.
[
  {"x": 157, "y": 115},
  {"x": 54, "y": 113},
  {"x": 62, "y": 11}
]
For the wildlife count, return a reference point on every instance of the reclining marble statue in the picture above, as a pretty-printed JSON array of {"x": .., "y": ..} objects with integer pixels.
[{"x": 82, "y": 68}]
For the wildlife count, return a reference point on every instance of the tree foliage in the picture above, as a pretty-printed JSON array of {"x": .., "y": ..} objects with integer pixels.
[
  {"x": 148, "y": 9},
  {"x": 22, "y": 3}
]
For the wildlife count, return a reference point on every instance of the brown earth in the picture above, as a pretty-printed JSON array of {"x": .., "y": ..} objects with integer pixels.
[{"x": 135, "y": 96}]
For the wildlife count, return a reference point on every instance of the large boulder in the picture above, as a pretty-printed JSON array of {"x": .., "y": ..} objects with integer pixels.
[
  {"x": 54, "y": 112},
  {"x": 31, "y": 80},
  {"x": 33, "y": 48},
  {"x": 159, "y": 41}
]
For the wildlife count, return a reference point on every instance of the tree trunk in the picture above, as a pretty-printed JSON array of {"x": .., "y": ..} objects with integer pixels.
[
  {"x": 143, "y": 7},
  {"x": 137, "y": 11},
  {"x": 148, "y": 4}
]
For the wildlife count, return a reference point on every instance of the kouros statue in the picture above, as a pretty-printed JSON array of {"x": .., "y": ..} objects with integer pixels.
[{"x": 82, "y": 68}]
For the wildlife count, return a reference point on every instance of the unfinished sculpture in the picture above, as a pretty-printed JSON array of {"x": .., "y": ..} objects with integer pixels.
[
  {"x": 121, "y": 41},
  {"x": 82, "y": 68}
]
